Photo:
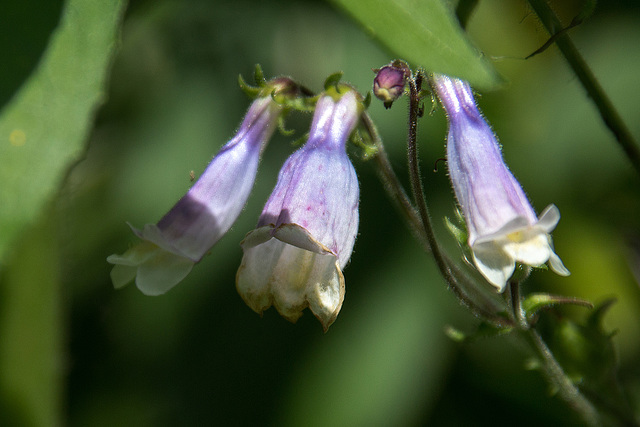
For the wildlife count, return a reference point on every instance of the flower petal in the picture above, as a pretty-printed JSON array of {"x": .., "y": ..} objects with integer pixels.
[
  {"x": 298, "y": 236},
  {"x": 494, "y": 264},
  {"x": 534, "y": 250},
  {"x": 514, "y": 225},
  {"x": 122, "y": 275},
  {"x": 549, "y": 218},
  {"x": 557, "y": 266},
  {"x": 291, "y": 279},
  {"x": 162, "y": 272}
]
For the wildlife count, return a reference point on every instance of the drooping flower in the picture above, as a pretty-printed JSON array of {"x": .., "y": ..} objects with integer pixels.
[
  {"x": 170, "y": 248},
  {"x": 306, "y": 232},
  {"x": 502, "y": 225}
]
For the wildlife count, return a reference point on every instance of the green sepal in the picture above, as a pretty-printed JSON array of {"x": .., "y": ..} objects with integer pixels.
[
  {"x": 251, "y": 91},
  {"x": 426, "y": 93},
  {"x": 535, "y": 302},
  {"x": 367, "y": 101},
  {"x": 258, "y": 76},
  {"x": 595, "y": 319},
  {"x": 460, "y": 217},
  {"x": 458, "y": 231},
  {"x": 298, "y": 103},
  {"x": 282, "y": 127},
  {"x": 363, "y": 141},
  {"x": 282, "y": 90},
  {"x": 333, "y": 80},
  {"x": 541, "y": 267},
  {"x": 300, "y": 141},
  {"x": 434, "y": 103}
]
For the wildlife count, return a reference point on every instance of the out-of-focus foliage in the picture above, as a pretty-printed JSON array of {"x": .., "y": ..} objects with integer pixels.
[
  {"x": 427, "y": 34},
  {"x": 198, "y": 355},
  {"x": 44, "y": 127},
  {"x": 43, "y": 130}
]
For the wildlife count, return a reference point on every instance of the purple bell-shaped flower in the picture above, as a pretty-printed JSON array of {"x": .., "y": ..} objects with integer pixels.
[
  {"x": 305, "y": 235},
  {"x": 170, "y": 248},
  {"x": 503, "y": 227}
]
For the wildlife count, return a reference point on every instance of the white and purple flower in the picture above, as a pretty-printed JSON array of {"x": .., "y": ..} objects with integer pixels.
[
  {"x": 305, "y": 235},
  {"x": 170, "y": 248},
  {"x": 503, "y": 227}
]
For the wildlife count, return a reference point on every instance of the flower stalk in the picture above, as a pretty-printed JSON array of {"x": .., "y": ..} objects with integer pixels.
[
  {"x": 552, "y": 370},
  {"x": 516, "y": 318},
  {"x": 479, "y": 304}
]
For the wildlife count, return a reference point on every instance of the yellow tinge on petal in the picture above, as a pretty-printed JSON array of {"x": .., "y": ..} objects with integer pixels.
[{"x": 289, "y": 277}]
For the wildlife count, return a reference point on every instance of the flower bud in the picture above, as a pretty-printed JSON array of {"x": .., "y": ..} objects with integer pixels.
[{"x": 388, "y": 85}]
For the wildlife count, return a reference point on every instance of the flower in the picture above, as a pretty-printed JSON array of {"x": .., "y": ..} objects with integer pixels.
[
  {"x": 201, "y": 217},
  {"x": 502, "y": 225},
  {"x": 390, "y": 80},
  {"x": 306, "y": 232}
]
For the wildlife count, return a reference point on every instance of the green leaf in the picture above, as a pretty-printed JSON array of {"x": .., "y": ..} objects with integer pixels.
[
  {"x": 535, "y": 302},
  {"x": 425, "y": 33},
  {"x": 31, "y": 331},
  {"x": 44, "y": 128}
]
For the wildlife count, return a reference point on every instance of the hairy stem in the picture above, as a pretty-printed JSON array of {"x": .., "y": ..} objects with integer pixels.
[
  {"x": 487, "y": 308},
  {"x": 554, "y": 373},
  {"x": 478, "y": 304},
  {"x": 393, "y": 186}
]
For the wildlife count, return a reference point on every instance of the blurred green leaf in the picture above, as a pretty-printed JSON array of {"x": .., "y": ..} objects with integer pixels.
[
  {"x": 585, "y": 351},
  {"x": 425, "y": 33},
  {"x": 587, "y": 354},
  {"x": 535, "y": 302},
  {"x": 43, "y": 129},
  {"x": 31, "y": 330}
]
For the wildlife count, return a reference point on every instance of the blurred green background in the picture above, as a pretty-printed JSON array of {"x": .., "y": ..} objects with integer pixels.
[{"x": 75, "y": 352}]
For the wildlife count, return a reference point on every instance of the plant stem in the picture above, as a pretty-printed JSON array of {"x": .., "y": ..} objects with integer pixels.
[
  {"x": 397, "y": 194},
  {"x": 552, "y": 369},
  {"x": 393, "y": 186},
  {"x": 607, "y": 111}
]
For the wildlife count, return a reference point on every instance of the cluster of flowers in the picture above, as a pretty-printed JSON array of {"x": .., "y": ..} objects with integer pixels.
[{"x": 306, "y": 232}]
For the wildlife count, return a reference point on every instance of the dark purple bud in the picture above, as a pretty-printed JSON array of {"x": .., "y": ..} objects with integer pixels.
[{"x": 388, "y": 85}]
